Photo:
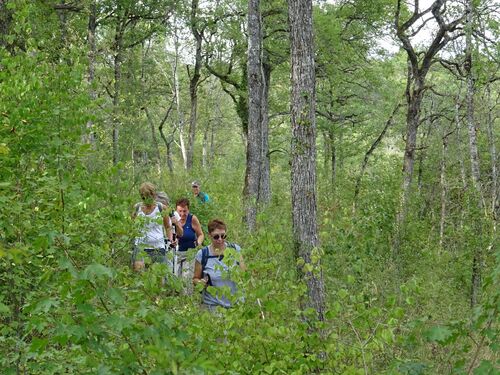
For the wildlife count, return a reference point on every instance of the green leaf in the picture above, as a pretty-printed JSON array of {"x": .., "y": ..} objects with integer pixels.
[
  {"x": 38, "y": 345},
  {"x": 4, "y": 309},
  {"x": 485, "y": 368},
  {"x": 96, "y": 271},
  {"x": 438, "y": 334}
]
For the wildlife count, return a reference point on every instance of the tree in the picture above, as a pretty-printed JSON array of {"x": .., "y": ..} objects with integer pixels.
[
  {"x": 303, "y": 150},
  {"x": 419, "y": 64},
  {"x": 197, "y": 29}
]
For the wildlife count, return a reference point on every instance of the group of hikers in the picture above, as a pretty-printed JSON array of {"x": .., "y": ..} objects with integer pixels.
[{"x": 166, "y": 238}]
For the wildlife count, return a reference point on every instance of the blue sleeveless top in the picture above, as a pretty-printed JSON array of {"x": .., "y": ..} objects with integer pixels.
[{"x": 189, "y": 236}]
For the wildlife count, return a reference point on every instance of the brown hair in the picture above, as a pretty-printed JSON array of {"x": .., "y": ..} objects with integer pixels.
[
  {"x": 147, "y": 190},
  {"x": 182, "y": 202},
  {"x": 216, "y": 224}
]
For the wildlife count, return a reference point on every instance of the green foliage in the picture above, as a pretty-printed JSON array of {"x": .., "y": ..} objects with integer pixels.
[{"x": 69, "y": 302}]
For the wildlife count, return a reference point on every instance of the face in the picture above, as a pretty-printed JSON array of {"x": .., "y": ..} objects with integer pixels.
[
  {"x": 182, "y": 211},
  {"x": 196, "y": 190},
  {"x": 218, "y": 237},
  {"x": 147, "y": 199}
]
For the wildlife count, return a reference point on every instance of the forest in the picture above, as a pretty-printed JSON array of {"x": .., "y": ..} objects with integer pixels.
[{"x": 350, "y": 146}]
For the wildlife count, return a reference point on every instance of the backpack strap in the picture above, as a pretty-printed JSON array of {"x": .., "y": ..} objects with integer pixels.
[{"x": 205, "y": 256}]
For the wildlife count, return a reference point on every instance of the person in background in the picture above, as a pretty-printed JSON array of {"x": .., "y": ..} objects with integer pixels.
[
  {"x": 156, "y": 223},
  {"x": 192, "y": 236},
  {"x": 212, "y": 268},
  {"x": 162, "y": 197},
  {"x": 200, "y": 195}
]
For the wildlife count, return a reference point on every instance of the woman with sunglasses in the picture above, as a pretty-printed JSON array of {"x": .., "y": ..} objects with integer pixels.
[{"x": 213, "y": 266}]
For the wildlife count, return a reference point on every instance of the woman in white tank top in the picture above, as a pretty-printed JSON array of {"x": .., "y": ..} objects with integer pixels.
[{"x": 155, "y": 222}]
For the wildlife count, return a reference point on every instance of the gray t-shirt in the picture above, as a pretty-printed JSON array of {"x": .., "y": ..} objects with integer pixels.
[{"x": 219, "y": 268}]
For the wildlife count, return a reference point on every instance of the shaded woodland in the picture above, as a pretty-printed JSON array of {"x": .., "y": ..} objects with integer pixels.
[{"x": 351, "y": 147}]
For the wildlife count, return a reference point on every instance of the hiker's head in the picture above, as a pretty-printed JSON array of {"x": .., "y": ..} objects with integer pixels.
[
  {"x": 162, "y": 197},
  {"x": 217, "y": 232},
  {"x": 182, "y": 207},
  {"x": 195, "y": 185},
  {"x": 148, "y": 192}
]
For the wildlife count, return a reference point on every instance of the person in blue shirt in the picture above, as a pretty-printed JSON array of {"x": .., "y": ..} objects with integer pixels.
[
  {"x": 192, "y": 234},
  {"x": 200, "y": 195}
]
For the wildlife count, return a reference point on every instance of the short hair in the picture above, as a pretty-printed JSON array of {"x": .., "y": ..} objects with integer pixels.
[
  {"x": 182, "y": 202},
  {"x": 147, "y": 190},
  {"x": 216, "y": 224}
]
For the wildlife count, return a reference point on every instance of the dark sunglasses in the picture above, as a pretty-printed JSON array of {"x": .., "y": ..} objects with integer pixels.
[{"x": 217, "y": 236}]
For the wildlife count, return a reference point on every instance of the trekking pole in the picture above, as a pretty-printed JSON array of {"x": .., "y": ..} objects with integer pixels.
[{"x": 175, "y": 247}]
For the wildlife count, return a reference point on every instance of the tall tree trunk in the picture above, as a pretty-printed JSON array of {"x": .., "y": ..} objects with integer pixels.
[
  {"x": 117, "y": 62},
  {"x": 303, "y": 149},
  {"x": 194, "y": 82},
  {"x": 414, "y": 95},
  {"x": 474, "y": 154},
  {"x": 333, "y": 158},
  {"x": 265, "y": 169},
  {"x": 493, "y": 157},
  {"x": 177, "y": 99},
  {"x": 463, "y": 174},
  {"x": 91, "y": 35},
  {"x": 419, "y": 64},
  {"x": 423, "y": 146},
  {"x": 253, "y": 149},
  {"x": 254, "y": 132}
]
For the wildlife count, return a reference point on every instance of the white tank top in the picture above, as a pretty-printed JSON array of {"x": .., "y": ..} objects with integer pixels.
[{"x": 152, "y": 231}]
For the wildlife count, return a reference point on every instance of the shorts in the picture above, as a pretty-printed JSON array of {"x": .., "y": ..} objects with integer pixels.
[{"x": 156, "y": 255}]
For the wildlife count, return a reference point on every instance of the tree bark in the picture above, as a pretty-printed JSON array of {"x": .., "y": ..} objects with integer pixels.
[
  {"x": 254, "y": 133},
  {"x": 463, "y": 174},
  {"x": 474, "y": 155},
  {"x": 177, "y": 99},
  {"x": 414, "y": 94},
  {"x": 303, "y": 150},
  {"x": 493, "y": 157},
  {"x": 265, "y": 169},
  {"x": 117, "y": 63},
  {"x": 194, "y": 82}
]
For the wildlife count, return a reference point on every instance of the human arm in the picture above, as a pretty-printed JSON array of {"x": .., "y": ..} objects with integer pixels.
[
  {"x": 198, "y": 274},
  {"x": 166, "y": 223},
  {"x": 242, "y": 264},
  {"x": 176, "y": 220},
  {"x": 197, "y": 229},
  {"x": 137, "y": 207}
]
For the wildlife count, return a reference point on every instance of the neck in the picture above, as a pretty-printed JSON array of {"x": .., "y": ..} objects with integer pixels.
[{"x": 216, "y": 250}]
